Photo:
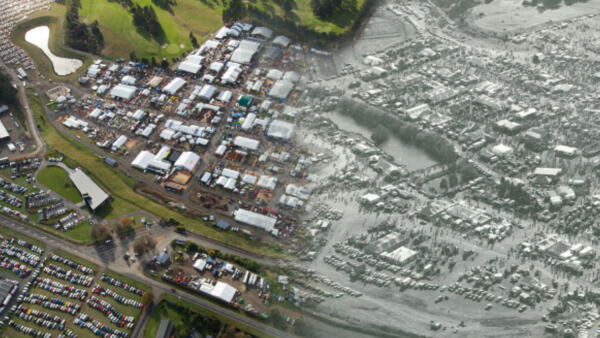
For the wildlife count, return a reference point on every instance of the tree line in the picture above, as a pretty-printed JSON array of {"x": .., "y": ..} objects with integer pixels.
[
  {"x": 144, "y": 19},
  {"x": 376, "y": 119},
  {"x": 327, "y": 8},
  {"x": 81, "y": 36},
  {"x": 8, "y": 94}
]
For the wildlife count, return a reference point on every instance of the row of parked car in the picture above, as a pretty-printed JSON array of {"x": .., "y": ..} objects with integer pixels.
[
  {"x": 40, "y": 318},
  {"x": 109, "y": 311},
  {"x": 108, "y": 292},
  {"x": 28, "y": 330},
  {"x": 52, "y": 303},
  {"x": 39, "y": 200},
  {"x": 108, "y": 279},
  {"x": 16, "y": 267},
  {"x": 58, "y": 288},
  {"x": 98, "y": 328},
  {"x": 68, "y": 275},
  {"x": 26, "y": 245},
  {"x": 11, "y": 199},
  {"x": 79, "y": 267},
  {"x": 14, "y": 188},
  {"x": 8, "y": 250}
]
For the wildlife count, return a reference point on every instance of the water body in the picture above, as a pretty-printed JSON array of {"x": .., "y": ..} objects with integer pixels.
[
  {"x": 39, "y": 37},
  {"x": 407, "y": 154}
]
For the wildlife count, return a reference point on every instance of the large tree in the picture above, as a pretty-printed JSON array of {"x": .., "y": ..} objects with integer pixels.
[{"x": 235, "y": 11}]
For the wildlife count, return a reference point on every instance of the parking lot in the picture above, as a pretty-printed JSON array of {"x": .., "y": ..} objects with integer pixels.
[{"x": 67, "y": 295}]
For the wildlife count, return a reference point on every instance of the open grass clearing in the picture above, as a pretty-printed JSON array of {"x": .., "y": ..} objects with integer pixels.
[{"x": 57, "y": 180}]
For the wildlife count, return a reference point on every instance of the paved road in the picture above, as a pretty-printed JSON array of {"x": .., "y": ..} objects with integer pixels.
[
  {"x": 40, "y": 147},
  {"x": 119, "y": 265}
]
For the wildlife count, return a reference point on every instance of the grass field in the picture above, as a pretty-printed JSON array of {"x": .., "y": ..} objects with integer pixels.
[
  {"x": 57, "y": 180},
  {"x": 120, "y": 187},
  {"x": 121, "y": 36},
  {"x": 53, "y": 19}
]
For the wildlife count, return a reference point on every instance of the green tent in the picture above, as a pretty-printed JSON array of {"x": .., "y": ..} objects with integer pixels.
[{"x": 245, "y": 101}]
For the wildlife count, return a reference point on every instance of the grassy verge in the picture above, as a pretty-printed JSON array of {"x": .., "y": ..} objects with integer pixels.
[
  {"x": 57, "y": 179},
  {"x": 124, "y": 199},
  {"x": 7, "y": 232},
  {"x": 168, "y": 307},
  {"x": 53, "y": 19}
]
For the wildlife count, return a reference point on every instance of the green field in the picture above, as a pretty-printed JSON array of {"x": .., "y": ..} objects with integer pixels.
[
  {"x": 121, "y": 36},
  {"x": 57, "y": 180},
  {"x": 53, "y": 19}
]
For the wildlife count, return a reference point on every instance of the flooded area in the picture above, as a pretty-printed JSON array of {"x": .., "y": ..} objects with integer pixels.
[
  {"x": 39, "y": 36},
  {"x": 409, "y": 155}
]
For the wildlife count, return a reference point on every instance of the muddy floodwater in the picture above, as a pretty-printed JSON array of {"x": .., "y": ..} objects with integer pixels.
[
  {"x": 39, "y": 37},
  {"x": 409, "y": 155}
]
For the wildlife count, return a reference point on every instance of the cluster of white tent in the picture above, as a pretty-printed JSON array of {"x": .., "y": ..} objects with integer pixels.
[
  {"x": 158, "y": 162},
  {"x": 193, "y": 134}
]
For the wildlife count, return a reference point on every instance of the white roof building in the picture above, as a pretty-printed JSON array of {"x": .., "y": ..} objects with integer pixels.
[
  {"x": 221, "y": 291},
  {"x": 281, "y": 41},
  {"x": 128, "y": 80},
  {"x": 138, "y": 115},
  {"x": 263, "y": 32},
  {"x": 3, "y": 132},
  {"x": 230, "y": 173},
  {"x": 225, "y": 96},
  {"x": 189, "y": 67},
  {"x": 266, "y": 223},
  {"x": 207, "y": 92},
  {"x": 267, "y": 182},
  {"x": 249, "y": 121},
  {"x": 281, "y": 130},
  {"x": 188, "y": 160},
  {"x": 146, "y": 160},
  {"x": 71, "y": 122},
  {"x": 92, "y": 194},
  {"x": 174, "y": 86},
  {"x": 281, "y": 89},
  {"x": 246, "y": 143},
  {"x": 123, "y": 91},
  {"x": 402, "y": 255},
  {"x": 244, "y": 53},
  {"x": 232, "y": 73},
  {"x": 502, "y": 150},
  {"x": 565, "y": 150},
  {"x": 119, "y": 142}
]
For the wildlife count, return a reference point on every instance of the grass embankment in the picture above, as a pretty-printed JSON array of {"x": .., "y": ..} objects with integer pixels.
[
  {"x": 57, "y": 179},
  {"x": 168, "y": 308},
  {"x": 53, "y": 19},
  {"x": 124, "y": 199}
]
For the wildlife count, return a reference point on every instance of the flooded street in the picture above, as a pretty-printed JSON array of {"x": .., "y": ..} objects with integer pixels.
[{"x": 39, "y": 36}]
